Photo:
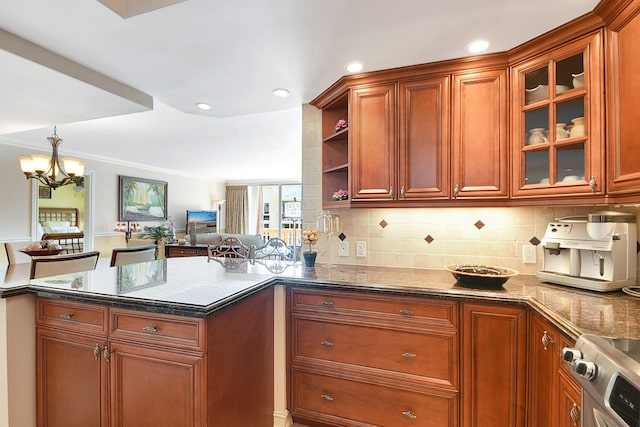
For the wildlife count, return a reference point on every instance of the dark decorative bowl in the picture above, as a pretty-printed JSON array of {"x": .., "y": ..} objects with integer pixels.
[
  {"x": 40, "y": 252},
  {"x": 481, "y": 276}
]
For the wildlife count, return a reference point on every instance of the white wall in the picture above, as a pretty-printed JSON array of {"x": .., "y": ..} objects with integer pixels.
[{"x": 184, "y": 192}]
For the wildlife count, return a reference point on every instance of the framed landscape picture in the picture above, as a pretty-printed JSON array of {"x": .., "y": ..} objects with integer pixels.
[{"x": 141, "y": 199}]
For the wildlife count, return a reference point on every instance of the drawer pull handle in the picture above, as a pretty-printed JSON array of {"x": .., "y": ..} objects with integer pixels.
[
  {"x": 66, "y": 316},
  {"x": 327, "y": 303},
  {"x": 96, "y": 351},
  {"x": 327, "y": 343},
  {"x": 575, "y": 414},
  {"x": 150, "y": 329},
  {"x": 409, "y": 355},
  {"x": 326, "y": 397},
  {"x": 546, "y": 340},
  {"x": 406, "y": 311},
  {"x": 409, "y": 414}
]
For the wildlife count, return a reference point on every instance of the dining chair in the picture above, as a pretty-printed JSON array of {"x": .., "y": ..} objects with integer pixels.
[
  {"x": 134, "y": 254},
  {"x": 231, "y": 247},
  {"x": 275, "y": 248},
  {"x": 14, "y": 256},
  {"x": 54, "y": 265}
]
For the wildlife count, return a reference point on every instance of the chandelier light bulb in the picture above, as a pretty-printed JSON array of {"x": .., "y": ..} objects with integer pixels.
[{"x": 52, "y": 171}]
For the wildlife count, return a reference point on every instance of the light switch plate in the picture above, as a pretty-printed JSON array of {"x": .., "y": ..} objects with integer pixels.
[
  {"x": 361, "y": 249},
  {"x": 343, "y": 248}
]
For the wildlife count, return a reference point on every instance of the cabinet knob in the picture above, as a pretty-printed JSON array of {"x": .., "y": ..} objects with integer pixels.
[
  {"x": 391, "y": 192},
  {"x": 593, "y": 184},
  {"x": 150, "y": 329},
  {"x": 326, "y": 397},
  {"x": 402, "y": 192},
  {"x": 456, "y": 191},
  {"x": 409, "y": 415},
  {"x": 327, "y": 343},
  {"x": 546, "y": 340},
  {"x": 575, "y": 414},
  {"x": 66, "y": 316},
  {"x": 409, "y": 355}
]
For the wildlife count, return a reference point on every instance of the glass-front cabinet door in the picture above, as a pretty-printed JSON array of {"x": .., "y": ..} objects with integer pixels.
[{"x": 557, "y": 122}]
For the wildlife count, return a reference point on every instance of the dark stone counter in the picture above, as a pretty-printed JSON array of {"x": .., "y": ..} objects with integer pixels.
[{"x": 192, "y": 286}]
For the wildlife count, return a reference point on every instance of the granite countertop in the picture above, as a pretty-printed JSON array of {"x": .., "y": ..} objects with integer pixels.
[{"x": 191, "y": 286}]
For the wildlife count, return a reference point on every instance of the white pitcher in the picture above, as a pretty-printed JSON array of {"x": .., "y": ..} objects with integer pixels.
[{"x": 536, "y": 136}]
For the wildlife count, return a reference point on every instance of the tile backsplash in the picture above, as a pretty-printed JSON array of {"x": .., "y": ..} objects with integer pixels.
[{"x": 426, "y": 237}]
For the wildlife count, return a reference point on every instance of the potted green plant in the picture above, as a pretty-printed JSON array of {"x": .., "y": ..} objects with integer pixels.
[{"x": 157, "y": 233}]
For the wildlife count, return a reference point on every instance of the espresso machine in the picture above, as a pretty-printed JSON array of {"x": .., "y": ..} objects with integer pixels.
[{"x": 597, "y": 252}]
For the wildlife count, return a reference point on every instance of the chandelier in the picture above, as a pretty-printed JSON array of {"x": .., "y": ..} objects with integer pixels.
[{"x": 49, "y": 170}]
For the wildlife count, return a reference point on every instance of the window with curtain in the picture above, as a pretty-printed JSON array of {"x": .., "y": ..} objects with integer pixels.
[
  {"x": 272, "y": 210},
  {"x": 237, "y": 209}
]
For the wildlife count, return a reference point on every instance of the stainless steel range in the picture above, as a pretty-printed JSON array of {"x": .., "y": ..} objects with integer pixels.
[{"x": 609, "y": 371}]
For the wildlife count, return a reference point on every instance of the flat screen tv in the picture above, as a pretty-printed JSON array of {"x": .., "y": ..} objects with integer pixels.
[{"x": 204, "y": 219}]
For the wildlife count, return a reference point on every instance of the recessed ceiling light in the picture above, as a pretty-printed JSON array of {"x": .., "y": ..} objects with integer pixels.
[
  {"x": 478, "y": 46},
  {"x": 354, "y": 66},
  {"x": 203, "y": 105},
  {"x": 280, "y": 93}
]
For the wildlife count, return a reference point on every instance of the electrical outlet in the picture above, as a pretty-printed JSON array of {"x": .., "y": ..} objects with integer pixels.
[
  {"x": 343, "y": 248},
  {"x": 529, "y": 254},
  {"x": 361, "y": 249}
]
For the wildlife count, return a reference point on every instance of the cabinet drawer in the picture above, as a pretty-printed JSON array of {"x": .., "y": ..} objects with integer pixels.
[
  {"x": 423, "y": 310},
  {"x": 185, "y": 251},
  {"x": 71, "y": 316},
  {"x": 407, "y": 355},
  {"x": 174, "y": 331},
  {"x": 349, "y": 402}
]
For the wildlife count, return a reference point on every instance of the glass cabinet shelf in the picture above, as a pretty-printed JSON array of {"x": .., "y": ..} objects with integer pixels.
[{"x": 553, "y": 111}]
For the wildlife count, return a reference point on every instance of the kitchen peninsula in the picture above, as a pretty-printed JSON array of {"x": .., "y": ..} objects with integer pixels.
[{"x": 220, "y": 323}]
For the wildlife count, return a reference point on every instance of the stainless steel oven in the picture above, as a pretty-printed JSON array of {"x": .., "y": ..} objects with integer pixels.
[{"x": 609, "y": 371}]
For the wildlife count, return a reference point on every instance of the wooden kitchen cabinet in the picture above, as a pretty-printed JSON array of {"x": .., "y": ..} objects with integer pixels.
[
  {"x": 101, "y": 366},
  {"x": 622, "y": 88},
  {"x": 479, "y": 137},
  {"x": 430, "y": 137},
  {"x": 155, "y": 387},
  {"x": 358, "y": 359},
  {"x": 373, "y": 139},
  {"x": 410, "y": 163},
  {"x": 557, "y": 121},
  {"x": 423, "y": 144},
  {"x": 71, "y": 380},
  {"x": 494, "y": 344},
  {"x": 554, "y": 396}
]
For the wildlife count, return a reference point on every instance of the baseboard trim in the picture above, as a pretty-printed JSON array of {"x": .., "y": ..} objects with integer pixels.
[{"x": 282, "y": 419}]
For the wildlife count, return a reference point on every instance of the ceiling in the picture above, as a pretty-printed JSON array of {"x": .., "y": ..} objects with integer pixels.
[{"x": 127, "y": 88}]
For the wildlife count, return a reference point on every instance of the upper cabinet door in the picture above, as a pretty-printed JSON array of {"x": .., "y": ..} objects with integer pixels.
[
  {"x": 423, "y": 149},
  {"x": 480, "y": 135},
  {"x": 623, "y": 114},
  {"x": 557, "y": 131},
  {"x": 373, "y": 152}
]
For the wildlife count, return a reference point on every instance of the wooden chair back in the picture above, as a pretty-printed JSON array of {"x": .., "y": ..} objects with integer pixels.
[
  {"x": 132, "y": 255},
  {"x": 54, "y": 265},
  {"x": 14, "y": 256}
]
